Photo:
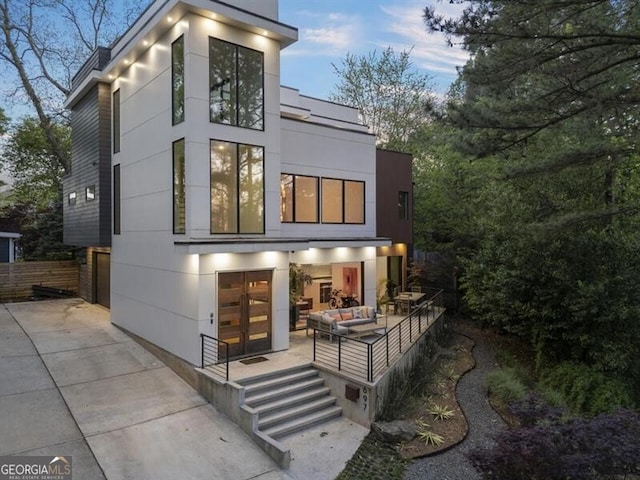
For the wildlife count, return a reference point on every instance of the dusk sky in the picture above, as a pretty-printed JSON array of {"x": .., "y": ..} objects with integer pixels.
[{"x": 329, "y": 29}]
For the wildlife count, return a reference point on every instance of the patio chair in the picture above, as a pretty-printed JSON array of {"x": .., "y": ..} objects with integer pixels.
[{"x": 402, "y": 305}]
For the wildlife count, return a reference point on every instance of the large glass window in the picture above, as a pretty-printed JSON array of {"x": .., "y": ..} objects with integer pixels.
[
  {"x": 342, "y": 201},
  {"x": 286, "y": 197},
  {"x": 177, "y": 81},
  {"x": 236, "y": 95},
  {"x": 179, "y": 209},
  {"x": 116, "y": 121},
  {"x": 237, "y": 188},
  {"x": 299, "y": 198},
  {"x": 332, "y": 201},
  {"x": 353, "y": 202},
  {"x": 116, "y": 199}
]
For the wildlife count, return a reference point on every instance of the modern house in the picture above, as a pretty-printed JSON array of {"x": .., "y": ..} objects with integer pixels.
[
  {"x": 197, "y": 180},
  {"x": 198, "y": 184}
]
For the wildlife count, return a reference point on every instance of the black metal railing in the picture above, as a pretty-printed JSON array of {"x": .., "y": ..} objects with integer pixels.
[
  {"x": 214, "y": 355},
  {"x": 368, "y": 360}
]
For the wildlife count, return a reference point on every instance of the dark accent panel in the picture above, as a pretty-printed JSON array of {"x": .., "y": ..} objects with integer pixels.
[
  {"x": 97, "y": 61},
  {"x": 4, "y": 250},
  {"x": 103, "y": 279},
  {"x": 393, "y": 175},
  {"x": 116, "y": 199},
  {"x": 89, "y": 223}
]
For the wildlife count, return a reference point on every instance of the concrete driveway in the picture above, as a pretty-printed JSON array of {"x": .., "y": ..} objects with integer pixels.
[{"x": 72, "y": 384}]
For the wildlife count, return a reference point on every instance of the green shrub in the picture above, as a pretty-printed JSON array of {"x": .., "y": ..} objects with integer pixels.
[
  {"x": 587, "y": 390},
  {"x": 553, "y": 397},
  {"x": 506, "y": 385}
]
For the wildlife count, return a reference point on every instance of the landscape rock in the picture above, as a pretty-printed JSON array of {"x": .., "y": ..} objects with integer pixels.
[{"x": 396, "y": 431}]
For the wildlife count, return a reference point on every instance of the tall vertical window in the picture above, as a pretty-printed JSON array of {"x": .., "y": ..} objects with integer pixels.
[
  {"x": 236, "y": 89},
  {"x": 178, "y": 187},
  {"x": 116, "y": 121},
  {"x": 298, "y": 198},
  {"x": 286, "y": 197},
  {"x": 403, "y": 205},
  {"x": 116, "y": 199},
  {"x": 177, "y": 81},
  {"x": 353, "y": 202},
  {"x": 237, "y": 188},
  {"x": 332, "y": 200}
]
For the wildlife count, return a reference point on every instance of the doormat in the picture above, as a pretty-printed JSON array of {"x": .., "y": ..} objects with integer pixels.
[{"x": 249, "y": 361}]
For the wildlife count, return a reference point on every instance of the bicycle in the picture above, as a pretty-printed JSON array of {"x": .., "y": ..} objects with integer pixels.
[{"x": 339, "y": 299}]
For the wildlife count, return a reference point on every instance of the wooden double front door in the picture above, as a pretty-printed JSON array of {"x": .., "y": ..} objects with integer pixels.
[{"x": 244, "y": 311}]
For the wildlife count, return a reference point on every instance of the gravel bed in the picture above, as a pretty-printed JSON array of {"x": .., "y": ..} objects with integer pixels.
[{"x": 483, "y": 422}]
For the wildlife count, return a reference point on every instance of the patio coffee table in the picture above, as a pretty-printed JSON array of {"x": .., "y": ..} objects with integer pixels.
[{"x": 358, "y": 331}]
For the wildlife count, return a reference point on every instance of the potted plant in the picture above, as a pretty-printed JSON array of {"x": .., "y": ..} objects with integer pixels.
[{"x": 298, "y": 279}]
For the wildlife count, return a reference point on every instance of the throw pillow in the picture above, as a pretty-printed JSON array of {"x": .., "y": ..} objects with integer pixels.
[
  {"x": 357, "y": 312},
  {"x": 347, "y": 316}
]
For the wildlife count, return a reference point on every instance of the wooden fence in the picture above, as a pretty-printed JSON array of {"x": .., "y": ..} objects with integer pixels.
[{"x": 16, "y": 279}]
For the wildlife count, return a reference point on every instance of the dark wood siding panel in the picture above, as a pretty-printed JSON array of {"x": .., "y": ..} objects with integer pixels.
[
  {"x": 90, "y": 164},
  {"x": 393, "y": 175}
]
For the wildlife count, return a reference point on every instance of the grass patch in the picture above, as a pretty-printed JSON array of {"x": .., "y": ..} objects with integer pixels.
[{"x": 506, "y": 385}]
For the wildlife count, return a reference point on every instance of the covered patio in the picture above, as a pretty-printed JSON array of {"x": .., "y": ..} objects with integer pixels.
[{"x": 365, "y": 358}]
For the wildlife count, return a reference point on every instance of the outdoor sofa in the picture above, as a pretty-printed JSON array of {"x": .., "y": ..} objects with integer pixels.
[{"x": 339, "y": 320}]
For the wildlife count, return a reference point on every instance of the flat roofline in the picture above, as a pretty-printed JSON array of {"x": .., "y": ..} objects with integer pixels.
[
  {"x": 150, "y": 21},
  {"x": 256, "y": 245},
  {"x": 263, "y": 240}
]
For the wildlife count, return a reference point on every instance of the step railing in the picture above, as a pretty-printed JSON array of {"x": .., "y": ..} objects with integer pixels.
[
  {"x": 214, "y": 355},
  {"x": 369, "y": 360}
]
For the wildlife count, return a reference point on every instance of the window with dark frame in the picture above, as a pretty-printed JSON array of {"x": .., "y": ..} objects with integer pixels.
[
  {"x": 343, "y": 201},
  {"x": 72, "y": 198},
  {"x": 237, "y": 188},
  {"x": 116, "y": 199},
  {"x": 299, "y": 195},
  {"x": 177, "y": 81},
  {"x": 332, "y": 201},
  {"x": 353, "y": 202},
  {"x": 403, "y": 205},
  {"x": 90, "y": 193},
  {"x": 236, "y": 85},
  {"x": 116, "y": 121},
  {"x": 179, "y": 206}
]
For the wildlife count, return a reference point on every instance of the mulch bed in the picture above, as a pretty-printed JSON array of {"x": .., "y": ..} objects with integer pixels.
[{"x": 441, "y": 392}]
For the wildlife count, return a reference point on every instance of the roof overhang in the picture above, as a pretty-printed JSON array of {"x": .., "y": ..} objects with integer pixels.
[
  {"x": 254, "y": 245},
  {"x": 156, "y": 20}
]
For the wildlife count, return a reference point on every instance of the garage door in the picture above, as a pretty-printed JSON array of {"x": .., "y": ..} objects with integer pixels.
[{"x": 103, "y": 279}]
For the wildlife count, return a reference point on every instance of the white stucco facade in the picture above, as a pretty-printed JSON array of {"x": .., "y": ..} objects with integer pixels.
[{"x": 165, "y": 286}]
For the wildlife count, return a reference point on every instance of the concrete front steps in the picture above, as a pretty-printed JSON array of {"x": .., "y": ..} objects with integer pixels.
[{"x": 289, "y": 401}]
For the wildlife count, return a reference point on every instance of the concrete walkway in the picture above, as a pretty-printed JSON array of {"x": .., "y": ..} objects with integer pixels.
[{"x": 73, "y": 384}]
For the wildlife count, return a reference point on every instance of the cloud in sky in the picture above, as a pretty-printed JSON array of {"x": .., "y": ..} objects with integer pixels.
[
  {"x": 430, "y": 51},
  {"x": 329, "y": 29},
  {"x": 328, "y": 34}
]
